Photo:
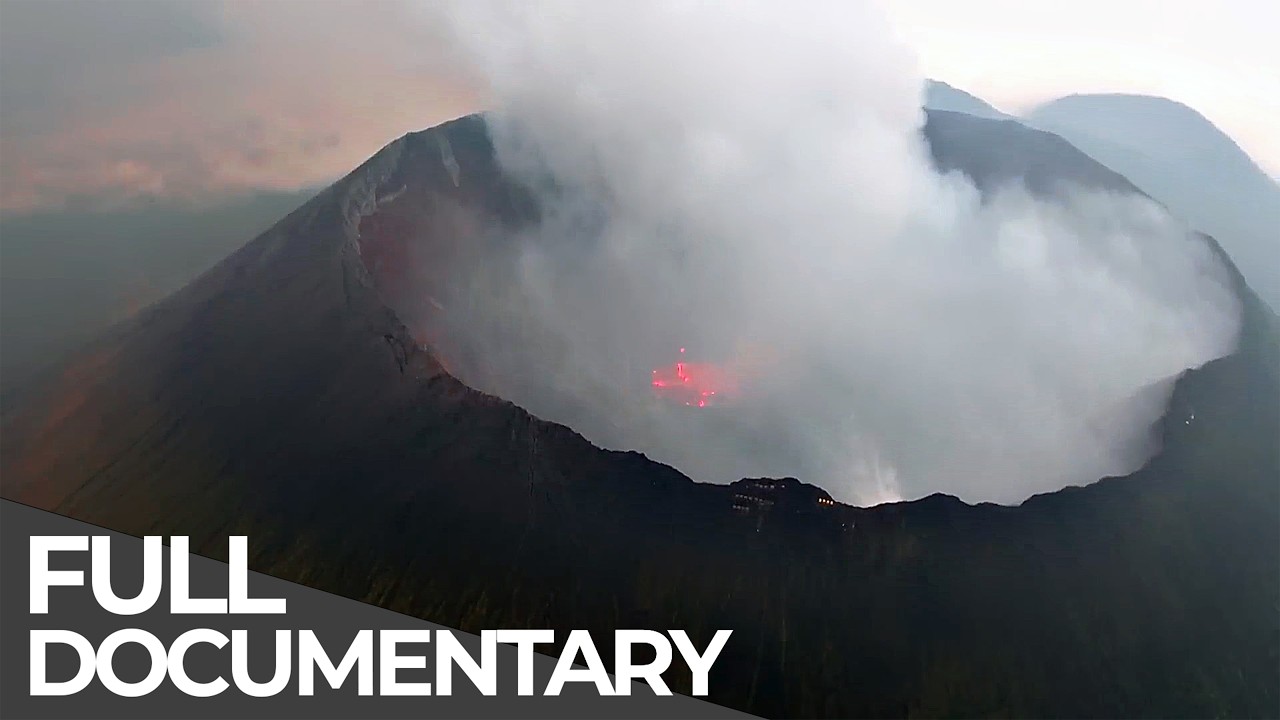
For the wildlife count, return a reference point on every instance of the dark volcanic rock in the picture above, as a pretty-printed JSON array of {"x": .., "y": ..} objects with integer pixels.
[
  {"x": 994, "y": 152},
  {"x": 278, "y": 396}
]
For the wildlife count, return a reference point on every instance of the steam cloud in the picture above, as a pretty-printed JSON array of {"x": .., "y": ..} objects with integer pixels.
[{"x": 750, "y": 182}]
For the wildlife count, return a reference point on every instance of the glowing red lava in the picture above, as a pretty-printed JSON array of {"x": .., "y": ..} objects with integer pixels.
[{"x": 692, "y": 384}]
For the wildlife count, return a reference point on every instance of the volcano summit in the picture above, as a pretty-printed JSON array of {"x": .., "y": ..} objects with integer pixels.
[{"x": 301, "y": 392}]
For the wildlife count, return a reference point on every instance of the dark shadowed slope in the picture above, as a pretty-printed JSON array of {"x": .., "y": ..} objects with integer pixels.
[
  {"x": 279, "y": 397},
  {"x": 1181, "y": 159},
  {"x": 994, "y": 152}
]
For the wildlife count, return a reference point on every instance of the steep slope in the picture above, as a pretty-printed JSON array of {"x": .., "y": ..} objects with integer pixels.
[
  {"x": 939, "y": 95},
  {"x": 1181, "y": 159},
  {"x": 279, "y": 397},
  {"x": 993, "y": 152}
]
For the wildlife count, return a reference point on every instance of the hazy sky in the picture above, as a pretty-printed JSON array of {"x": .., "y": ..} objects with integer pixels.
[
  {"x": 105, "y": 100},
  {"x": 1221, "y": 58}
]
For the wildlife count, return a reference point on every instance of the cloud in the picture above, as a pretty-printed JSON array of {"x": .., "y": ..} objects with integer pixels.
[
  {"x": 752, "y": 185},
  {"x": 106, "y": 102}
]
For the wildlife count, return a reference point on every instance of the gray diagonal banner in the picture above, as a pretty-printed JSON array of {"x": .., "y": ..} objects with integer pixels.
[{"x": 335, "y": 621}]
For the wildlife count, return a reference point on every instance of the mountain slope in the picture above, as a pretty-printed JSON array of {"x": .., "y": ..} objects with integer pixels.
[
  {"x": 278, "y": 396},
  {"x": 939, "y": 95},
  {"x": 1181, "y": 159},
  {"x": 994, "y": 152}
]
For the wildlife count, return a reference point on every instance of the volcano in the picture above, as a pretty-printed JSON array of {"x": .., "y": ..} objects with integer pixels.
[{"x": 305, "y": 392}]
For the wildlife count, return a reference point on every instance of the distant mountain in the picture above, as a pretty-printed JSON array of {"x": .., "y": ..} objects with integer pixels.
[
  {"x": 282, "y": 396},
  {"x": 941, "y": 96},
  {"x": 1181, "y": 159}
]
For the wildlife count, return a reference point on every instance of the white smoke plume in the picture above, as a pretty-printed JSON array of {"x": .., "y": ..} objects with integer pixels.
[{"x": 749, "y": 181}]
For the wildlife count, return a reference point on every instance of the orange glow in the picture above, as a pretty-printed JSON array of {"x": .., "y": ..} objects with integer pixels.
[{"x": 692, "y": 384}]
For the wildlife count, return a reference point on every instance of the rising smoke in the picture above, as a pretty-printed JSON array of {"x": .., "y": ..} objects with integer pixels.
[{"x": 749, "y": 181}]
